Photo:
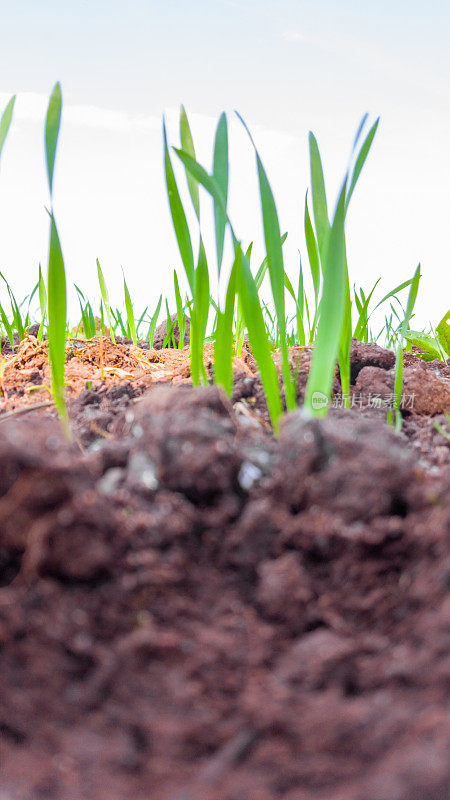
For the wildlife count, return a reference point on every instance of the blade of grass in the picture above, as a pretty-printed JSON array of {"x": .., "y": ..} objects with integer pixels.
[
  {"x": 17, "y": 319},
  {"x": 151, "y": 333},
  {"x": 363, "y": 319},
  {"x": 220, "y": 173},
  {"x": 272, "y": 237},
  {"x": 180, "y": 311},
  {"x": 345, "y": 340},
  {"x": 319, "y": 198},
  {"x": 300, "y": 328},
  {"x": 129, "y": 310},
  {"x": 201, "y": 305},
  {"x": 362, "y": 155},
  {"x": 52, "y": 125},
  {"x": 187, "y": 145},
  {"x": 430, "y": 346},
  {"x": 140, "y": 322},
  {"x": 57, "y": 314},
  {"x": 258, "y": 338},
  {"x": 56, "y": 282},
  {"x": 223, "y": 343},
  {"x": 398, "y": 381},
  {"x": 332, "y": 308},
  {"x": 313, "y": 251},
  {"x": 8, "y": 328},
  {"x": 5, "y": 122},
  {"x": 105, "y": 298},
  {"x": 443, "y": 332},
  {"x": 240, "y": 322},
  {"x": 199, "y": 317},
  {"x": 178, "y": 216}
]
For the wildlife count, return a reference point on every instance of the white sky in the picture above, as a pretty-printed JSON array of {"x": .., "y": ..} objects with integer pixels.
[{"x": 288, "y": 67}]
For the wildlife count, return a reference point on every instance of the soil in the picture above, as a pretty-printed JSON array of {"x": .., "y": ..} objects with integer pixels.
[{"x": 192, "y": 609}]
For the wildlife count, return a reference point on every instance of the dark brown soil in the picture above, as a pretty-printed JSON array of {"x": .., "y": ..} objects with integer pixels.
[{"x": 191, "y": 609}]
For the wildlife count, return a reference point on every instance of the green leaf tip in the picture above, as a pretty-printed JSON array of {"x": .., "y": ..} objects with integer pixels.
[
  {"x": 5, "y": 121},
  {"x": 52, "y": 125},
  {"x": 443, "y": 332}
]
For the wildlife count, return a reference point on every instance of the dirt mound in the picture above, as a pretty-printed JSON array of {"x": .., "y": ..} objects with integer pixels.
[
  {"x": 95, "y": 364},
  {"x": 193, "y": 610}
]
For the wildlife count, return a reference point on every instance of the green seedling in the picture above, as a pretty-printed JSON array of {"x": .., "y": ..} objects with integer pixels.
[
  {"x": 87, "y": 315},
  {"x": 181, "y": 316},
  {"x": 5, "y": 122},
  {"x": 140, "y": 322},
  {"x": 169, "y": 338},
  {"x": 272, "y": 236},
  {"x": 42, "y": 304},
  {"x": 118, "y": 322},
  {"x": 294, "y": 316},
  {"x": 445, "y": 433},
  {"x": 396, "y": 415},
  {"x": 105, "y": 298},
  {"x": 131, "y": 330},
  {"x": 443, "y": 333},
  {"x": 332, "y": 308},
  {"x": 248, "y": 293},
  {"x": 17, "y": 324},
  {"x": 430, "y": 347},
  {"x": 154, "y": 322},
  {"x": 56, "y": 282}
]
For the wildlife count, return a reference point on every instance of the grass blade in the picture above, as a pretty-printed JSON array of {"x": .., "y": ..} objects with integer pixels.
[
  {"x": 258, "y": 336},
  {"x": 319, "y": 197},
  {"x": 5, "y": 122},
  {"x": 398, "y": 382},
  {"x": 429, "y": 346},
  {"x": 151, "y": 333},
  {"x": 223, "y": 343},
  {"x": 56, "y": 281},
  {"x": 443, "y": 332},
  {"x": 220, "y": 173},
  {"x": 272, "y": 236},
  {"x": 332, "y": 309},
  {"x": 52, "y": 125},
  {"x": 179, "y": 221},
  {"x": 363, "y": 153},
  {"x": 105, "y": 298},
  {"x": 7, "y": 327},
  {"x": 313, "y": 251},
  {"x": 129, "y": 310},
  {"x": 187, "y": 144},
  {"x": 199, "y": 318},
  {"x": 57, "y": 315},
  {"x": 180, "y": 311}
]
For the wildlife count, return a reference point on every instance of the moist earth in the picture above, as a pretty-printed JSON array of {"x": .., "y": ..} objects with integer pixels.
[{"x": 193, "y": 609}]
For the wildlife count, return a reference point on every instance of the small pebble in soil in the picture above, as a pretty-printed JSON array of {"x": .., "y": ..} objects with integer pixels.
[
  {"x": 249, "y": 474},
  {"x": 142, "y": 472},
  {"x": 110, "y": 481}
]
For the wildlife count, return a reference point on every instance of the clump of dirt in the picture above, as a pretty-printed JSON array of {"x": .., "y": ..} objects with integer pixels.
[
  {"x": 368, "y": 354},
  {"x": 161, "y": 333},
  {"x": 94, "y": 364},
  {"x": 423, "y": 390},
  {"x": 192, "y": 609}
]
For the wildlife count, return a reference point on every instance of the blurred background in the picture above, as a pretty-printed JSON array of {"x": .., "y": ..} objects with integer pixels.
[{"x": 288, "y": 67}]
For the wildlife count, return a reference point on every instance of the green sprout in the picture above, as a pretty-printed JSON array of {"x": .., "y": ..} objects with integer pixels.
[
  {"x": 105, "y": 298},
  {"x": 56, "y": 291}
]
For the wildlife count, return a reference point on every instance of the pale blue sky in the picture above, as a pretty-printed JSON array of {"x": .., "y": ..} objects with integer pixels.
[
  {"x": 287, "y": 66},
  {"x": 263, "y": 56}
]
